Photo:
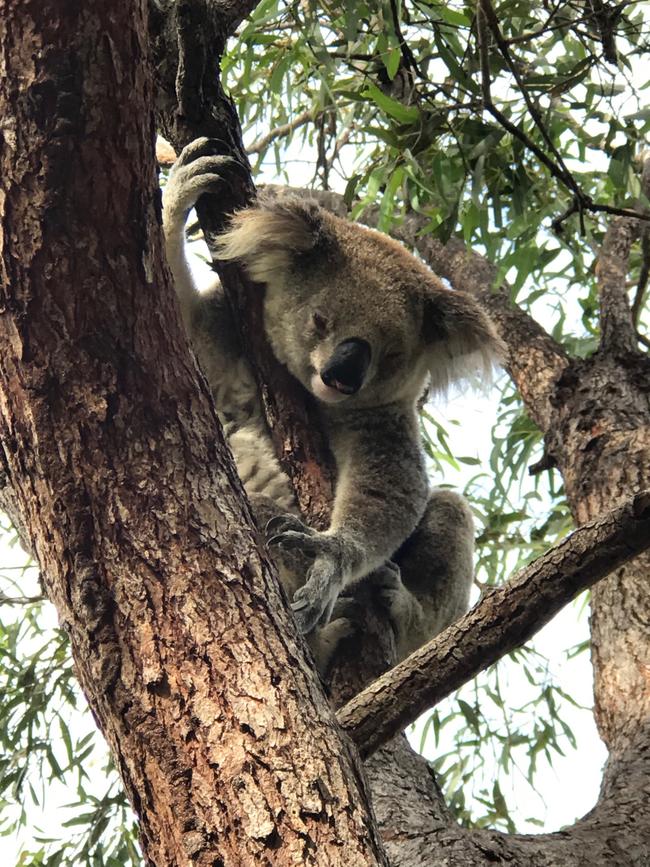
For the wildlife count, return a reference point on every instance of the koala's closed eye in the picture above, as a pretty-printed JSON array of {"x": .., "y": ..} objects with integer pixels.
[{"x": 320, "y": 323}]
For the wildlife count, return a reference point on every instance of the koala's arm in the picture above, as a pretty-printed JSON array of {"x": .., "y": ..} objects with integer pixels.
[
  {"x": 176, "y": 207},
  {"x": 381, "y": 489},
  {"x": 381, "y": 493},
  {"x": 196, "y": 171}
]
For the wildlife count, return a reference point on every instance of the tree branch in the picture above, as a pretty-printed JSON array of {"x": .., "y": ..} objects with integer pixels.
[
  {"x": 618, "y": 319},
  {"x": 281, "y": 131},
  {"x": 504, "y": 619},
  {"x": 617, "y": 331},
  {"x": 644, "y": 272}
]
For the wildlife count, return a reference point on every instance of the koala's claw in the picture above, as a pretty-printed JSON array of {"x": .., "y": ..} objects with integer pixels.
[
  {"x": 314, "y": 601},
  {"x": 296, "y": 540},
  {"x": 199, "y": 169},
  {"x": 283, "y": 523},
  {"x": 200, "y": 147}
]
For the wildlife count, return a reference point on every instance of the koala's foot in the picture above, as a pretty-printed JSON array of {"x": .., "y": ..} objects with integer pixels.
[
  {"x": 197, "y": 170},
  {"x": 402, "y": 607},
  {"x": 325, "y": 640},
  {"x": 314, "y": 601}
]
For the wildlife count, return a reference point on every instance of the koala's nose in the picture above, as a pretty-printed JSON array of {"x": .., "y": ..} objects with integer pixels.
[{"x": 346, "y": 368}]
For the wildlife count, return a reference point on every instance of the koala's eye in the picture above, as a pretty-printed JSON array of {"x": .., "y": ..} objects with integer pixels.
[
  {"x": 392, "y": 356},
  {"x": 320, "y": 323}
]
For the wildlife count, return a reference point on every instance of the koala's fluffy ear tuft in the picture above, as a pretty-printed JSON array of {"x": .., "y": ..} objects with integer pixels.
[
  {"x": 270, "y": 236},
  {"x": 463, "y": 343}
]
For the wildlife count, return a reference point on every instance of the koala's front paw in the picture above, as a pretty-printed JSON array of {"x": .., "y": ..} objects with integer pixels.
[
  {"x": 314, "y": 601},
  {"x": 197, "y": 170}
]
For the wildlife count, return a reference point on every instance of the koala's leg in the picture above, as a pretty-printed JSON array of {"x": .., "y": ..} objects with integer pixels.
[{"x": 436, "y": 570}]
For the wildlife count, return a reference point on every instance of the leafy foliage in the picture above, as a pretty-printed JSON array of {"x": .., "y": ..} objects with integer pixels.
[
  {"x": 51, "y": 753},
  {"x": 387, "y": 101}
]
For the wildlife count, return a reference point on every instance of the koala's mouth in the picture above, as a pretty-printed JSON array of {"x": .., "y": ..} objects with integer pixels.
[
  {"x": 342, "y": 387},
  {"x": 327, "y": 393}
]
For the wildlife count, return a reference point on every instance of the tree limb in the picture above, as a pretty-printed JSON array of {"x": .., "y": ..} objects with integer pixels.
[
  {"x": 618, "y": 320},
  {"x": 281, "y": 131},
  {"x": 617, "y": 331},
  {"x": 504, "y": 619},
  {"x": 644, "y": 272}
]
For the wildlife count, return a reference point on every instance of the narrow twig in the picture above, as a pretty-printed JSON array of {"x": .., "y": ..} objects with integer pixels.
[
  {"x": 502, "y": 45},
  {"x": 583, "y": 201},
  {"x": 281, "y": 131},
  {"x": 545, "y": 28},
  {"x": 21, "y": 600},
  {"x": 504, "y": 619},
  {"x": 405, "y": 48}
]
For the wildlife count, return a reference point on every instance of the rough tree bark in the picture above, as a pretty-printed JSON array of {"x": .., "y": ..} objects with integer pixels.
[{"x": 228, "y": 748}]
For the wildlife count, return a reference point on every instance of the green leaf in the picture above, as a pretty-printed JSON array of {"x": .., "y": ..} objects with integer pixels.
[{"x": 391, "y": 107}]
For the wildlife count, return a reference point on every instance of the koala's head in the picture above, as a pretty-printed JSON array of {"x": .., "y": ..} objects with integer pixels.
[{"x": 351, "y": 313}]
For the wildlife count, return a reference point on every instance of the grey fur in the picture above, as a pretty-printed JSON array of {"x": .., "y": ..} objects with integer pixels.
[{"x": 328, "y": 281}]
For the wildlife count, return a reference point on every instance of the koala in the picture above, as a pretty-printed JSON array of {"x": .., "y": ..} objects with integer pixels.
[{"x": 366, "y": 328}]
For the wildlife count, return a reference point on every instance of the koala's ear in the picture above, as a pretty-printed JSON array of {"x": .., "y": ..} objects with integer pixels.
[
  {"x": 270, "y": 236},
  {"x": 461, "y": 340}
]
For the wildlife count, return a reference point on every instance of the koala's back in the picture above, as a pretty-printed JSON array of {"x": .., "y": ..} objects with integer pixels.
[{"x": 236, "y": 399}]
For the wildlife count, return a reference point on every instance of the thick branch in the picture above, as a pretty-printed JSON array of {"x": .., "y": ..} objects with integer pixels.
[
  {"x": 109, "y": 441},
  {"x": 617, "y": 331},
  {"x": 504, "y": 619}
]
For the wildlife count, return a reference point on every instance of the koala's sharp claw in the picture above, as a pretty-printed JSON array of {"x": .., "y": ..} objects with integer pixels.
[
  {"x": 295, "y": 539},
  {"x": 280, "y": 523}
]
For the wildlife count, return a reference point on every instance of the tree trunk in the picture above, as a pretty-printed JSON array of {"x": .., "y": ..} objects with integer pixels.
[
  {"x": 600, "y": 437},
  {"x": 228, "y": 749}
]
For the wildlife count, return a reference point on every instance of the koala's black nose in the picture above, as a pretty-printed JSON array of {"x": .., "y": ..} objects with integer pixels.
[{"x": 346, "y": 368}]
